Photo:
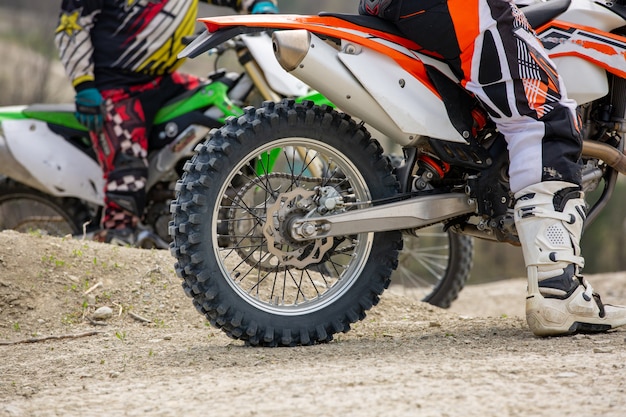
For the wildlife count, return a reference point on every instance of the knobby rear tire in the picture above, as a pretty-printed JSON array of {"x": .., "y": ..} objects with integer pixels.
[{"x": 333, "y": 295}]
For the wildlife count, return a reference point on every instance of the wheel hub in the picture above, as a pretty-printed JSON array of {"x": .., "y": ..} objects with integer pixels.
[{"x": 288, "y": 207}]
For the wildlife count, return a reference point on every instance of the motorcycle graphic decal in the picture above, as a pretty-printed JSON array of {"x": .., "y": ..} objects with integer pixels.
[{"x": 603, "y": 49}]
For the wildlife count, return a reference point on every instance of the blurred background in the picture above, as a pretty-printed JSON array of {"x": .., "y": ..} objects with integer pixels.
[
  {"x": 31, "y": 73},
  {"x": 29, "y": 68}
]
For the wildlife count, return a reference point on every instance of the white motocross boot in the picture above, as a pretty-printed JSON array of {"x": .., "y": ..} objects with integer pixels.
[{"x": 549, "y": 219}]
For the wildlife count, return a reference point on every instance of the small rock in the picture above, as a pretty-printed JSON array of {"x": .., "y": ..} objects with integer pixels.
[
  {"x": 103, "y": 313},
  {"x": 602, "y": 350}
]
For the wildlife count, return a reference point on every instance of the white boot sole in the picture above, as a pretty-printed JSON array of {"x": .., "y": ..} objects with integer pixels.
[{"x": 554, "y": 317}]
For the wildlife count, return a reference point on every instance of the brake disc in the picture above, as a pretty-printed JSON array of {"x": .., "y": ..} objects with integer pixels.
[{"x": 289, "y": 206}]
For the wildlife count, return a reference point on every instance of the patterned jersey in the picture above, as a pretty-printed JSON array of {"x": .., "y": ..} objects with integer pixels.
[{"x": 114, "y": 43}]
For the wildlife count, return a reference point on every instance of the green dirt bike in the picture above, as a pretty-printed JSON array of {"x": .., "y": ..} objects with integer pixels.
[{"x": 50, "y": 179}]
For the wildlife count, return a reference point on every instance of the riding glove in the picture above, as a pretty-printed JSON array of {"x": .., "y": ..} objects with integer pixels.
[
  {"x": 90, "y": 109},
  {"x": 264, "y": 7}
]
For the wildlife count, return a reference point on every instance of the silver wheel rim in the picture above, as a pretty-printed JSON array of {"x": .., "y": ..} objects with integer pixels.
[{"x": 267, "y": 283}]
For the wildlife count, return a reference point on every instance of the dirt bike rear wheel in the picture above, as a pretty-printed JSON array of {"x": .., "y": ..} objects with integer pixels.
[
  {"x": 264, "y": 287},
  {"x": 27, "y": 210}
]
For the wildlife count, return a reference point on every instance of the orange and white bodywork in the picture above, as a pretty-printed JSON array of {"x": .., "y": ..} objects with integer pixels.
[
  {"x": 381, "y": 77},
  {"x": 581, "y": 45},
  {"x": 372, "y": 75}
]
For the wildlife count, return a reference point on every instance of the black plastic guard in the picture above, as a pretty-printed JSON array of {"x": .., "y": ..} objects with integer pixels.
[{"x": 207, "y": 40}]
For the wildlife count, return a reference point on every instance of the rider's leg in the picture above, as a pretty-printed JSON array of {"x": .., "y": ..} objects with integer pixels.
[
  {"x": 540, "y": 125},
  {"x": 122, "y": 153},
  {"x": 490, "y": 46},
  {"x": 122, "y": 150},
  {"x": 521, "y": 87}
]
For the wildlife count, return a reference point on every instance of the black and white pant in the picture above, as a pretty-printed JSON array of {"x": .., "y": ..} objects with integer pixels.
[{"x": 496, "y": 55}]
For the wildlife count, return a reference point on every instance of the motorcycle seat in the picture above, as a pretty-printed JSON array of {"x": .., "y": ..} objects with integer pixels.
[
  {"x": 371, "y": 22},
  {"x": 541, "y": 13}
]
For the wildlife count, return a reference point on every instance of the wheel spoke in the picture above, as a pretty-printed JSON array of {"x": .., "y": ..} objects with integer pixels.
[{"x": 278, "y": 272}]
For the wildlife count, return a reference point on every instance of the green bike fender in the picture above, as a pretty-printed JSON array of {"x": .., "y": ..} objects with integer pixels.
[
  {"x": 58, "y": 118},
  {"x": 210, "y": 95},
  {"x": 12, "y": 113},
  {"x": 62, "y": 118},
  {"x": 266, "y": 164}
]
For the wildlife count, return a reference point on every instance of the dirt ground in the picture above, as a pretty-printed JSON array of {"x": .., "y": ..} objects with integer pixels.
[{"x": 156, "y": 356}]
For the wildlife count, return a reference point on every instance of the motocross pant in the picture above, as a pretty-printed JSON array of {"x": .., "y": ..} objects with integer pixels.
[
  {"x": 122, "y": 146},
  {"x": 497, "y": 57}
]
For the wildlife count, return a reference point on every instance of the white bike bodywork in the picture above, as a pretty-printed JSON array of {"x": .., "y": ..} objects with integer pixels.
[
  {"x": 372, "y": 87},
  {"x": 49, "y": 162}
]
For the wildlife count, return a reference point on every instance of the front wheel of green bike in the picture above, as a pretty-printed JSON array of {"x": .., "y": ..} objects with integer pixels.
[{"x": 434, "y": 265}]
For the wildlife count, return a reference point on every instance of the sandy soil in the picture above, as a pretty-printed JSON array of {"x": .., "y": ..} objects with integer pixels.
[{"x": 406, "y": 358}]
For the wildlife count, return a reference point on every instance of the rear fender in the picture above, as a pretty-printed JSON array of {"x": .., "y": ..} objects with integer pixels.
[{"x": 380, "y": 61}]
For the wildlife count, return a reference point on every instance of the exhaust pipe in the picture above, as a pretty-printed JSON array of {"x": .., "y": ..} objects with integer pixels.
[
  {"x": 613, "y": 157},
  {"x": 291, "y": 47},
  {"x": 313, "y": 61}
]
